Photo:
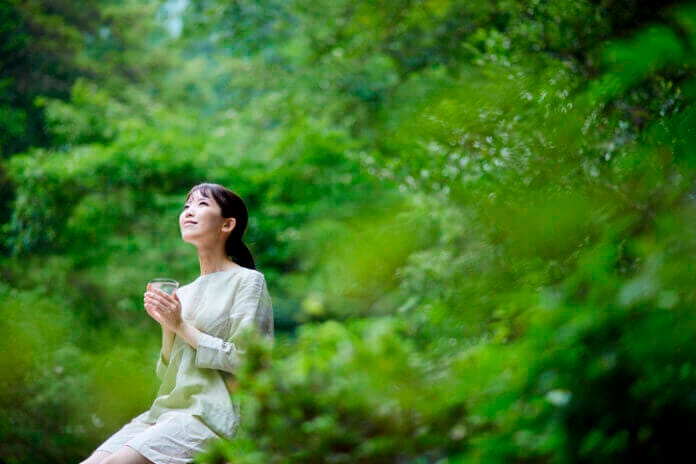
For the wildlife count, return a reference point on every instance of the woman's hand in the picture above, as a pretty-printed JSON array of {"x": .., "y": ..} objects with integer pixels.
[{"x": 163, "y": 308}]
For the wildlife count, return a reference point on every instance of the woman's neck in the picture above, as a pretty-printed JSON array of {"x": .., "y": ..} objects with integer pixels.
[{"x": 214, "y": 262}]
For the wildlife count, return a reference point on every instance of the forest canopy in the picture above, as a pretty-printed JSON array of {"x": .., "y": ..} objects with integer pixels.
[{"x": 476, "y": 221}]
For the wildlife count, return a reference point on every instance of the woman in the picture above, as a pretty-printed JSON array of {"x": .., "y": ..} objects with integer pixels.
[{"x": 202, "y": 324}]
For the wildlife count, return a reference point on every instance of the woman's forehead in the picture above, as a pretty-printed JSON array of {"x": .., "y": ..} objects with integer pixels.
[{"x": 196, "y": 194}]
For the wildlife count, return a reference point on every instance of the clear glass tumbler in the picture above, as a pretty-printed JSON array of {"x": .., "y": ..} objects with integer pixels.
[{"x": 168, "y": 286}]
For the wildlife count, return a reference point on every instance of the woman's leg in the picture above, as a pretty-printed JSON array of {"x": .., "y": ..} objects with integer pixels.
[
  {"x": 117, "y": 440},
  {"x": 126, "y": 455},
  {"x": 96, "y": 458}
]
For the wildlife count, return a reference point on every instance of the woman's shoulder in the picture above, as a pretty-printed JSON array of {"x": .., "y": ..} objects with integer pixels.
[
  {"x": 251, "y": 276},
  {"x": 241, "y": 274},
  {"x": 235, "y": 276},
  {"x": 252, "y": 273}
]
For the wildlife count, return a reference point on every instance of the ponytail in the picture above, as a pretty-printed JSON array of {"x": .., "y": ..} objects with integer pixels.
[{"x": 239, "y": 252}]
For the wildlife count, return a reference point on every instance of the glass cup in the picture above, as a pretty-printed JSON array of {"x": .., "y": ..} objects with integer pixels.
[{"x": 168, "y": 286}]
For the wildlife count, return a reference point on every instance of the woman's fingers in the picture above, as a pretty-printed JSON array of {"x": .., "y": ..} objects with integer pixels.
[
  {"x": 149, "y": 305},
  {"x": 163, "y": 308},
  {"x": 153, "y": 314},
  {"x": 153, "y": 296},
  {"x": 156, "y": 315},
  {"x": 162, "y": 298},
  {"x": 150, "y": 309},
  {"x": 160, "y": 294}
]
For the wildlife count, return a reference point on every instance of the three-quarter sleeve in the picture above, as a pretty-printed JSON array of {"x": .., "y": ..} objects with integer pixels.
[{"x": 251, "y": 309}]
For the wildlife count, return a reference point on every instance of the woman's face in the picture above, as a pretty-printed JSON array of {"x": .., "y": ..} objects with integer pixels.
[{"x": 201, "y": 221}]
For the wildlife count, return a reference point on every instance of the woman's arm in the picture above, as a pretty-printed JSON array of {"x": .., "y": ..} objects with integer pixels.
[
  {"x": 189, "y": 333},
  {"x": 167, "y": 343},
  {"x": 167, "y": 332},
  {"x": 165, "y": 353},
  {"x": 252, "y": 309},
  {"x": 166, "y": 310}
]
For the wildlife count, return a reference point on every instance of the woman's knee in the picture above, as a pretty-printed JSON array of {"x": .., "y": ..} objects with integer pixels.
[
  {"x": 126, "y": 455},
  {"x": 96, "y": 458}
]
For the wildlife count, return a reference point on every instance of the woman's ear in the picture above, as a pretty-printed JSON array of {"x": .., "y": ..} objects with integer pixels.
[{"x": 229, "y": 224}]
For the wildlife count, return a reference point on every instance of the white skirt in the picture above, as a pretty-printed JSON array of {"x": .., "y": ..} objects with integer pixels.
[{"x": 176, "y": 438}]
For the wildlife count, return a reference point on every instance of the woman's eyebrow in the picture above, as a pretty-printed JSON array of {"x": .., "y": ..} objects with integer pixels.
[{"x": 200, "y": 199}]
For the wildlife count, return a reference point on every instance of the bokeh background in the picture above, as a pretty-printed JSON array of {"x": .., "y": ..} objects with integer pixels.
[{"x": 476, "y": 219}]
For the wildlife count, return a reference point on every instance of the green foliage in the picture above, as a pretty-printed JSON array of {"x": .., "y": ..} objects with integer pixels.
[
  {"x": 475, "y": 219},
  {"x": 539, "y": 189},
  {"x": 39, "y": 57},
  {"x": 56, "y": 398}
]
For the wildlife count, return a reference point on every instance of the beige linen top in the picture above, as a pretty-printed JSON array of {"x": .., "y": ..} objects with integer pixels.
[{"x": 221, "y": 305}]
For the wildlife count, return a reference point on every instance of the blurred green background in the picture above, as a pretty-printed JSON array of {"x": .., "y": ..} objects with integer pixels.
[{"x": 477, "y": 221}]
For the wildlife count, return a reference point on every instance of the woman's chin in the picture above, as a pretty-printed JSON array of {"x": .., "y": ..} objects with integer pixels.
[{"x": 189, "y": 238}]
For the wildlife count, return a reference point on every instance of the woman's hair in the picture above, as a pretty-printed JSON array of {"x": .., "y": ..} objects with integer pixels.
[{"x": 232, "y": 206}]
